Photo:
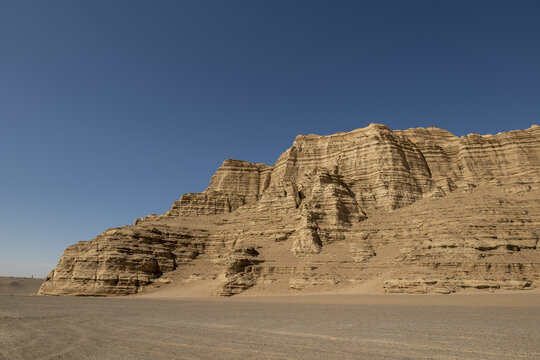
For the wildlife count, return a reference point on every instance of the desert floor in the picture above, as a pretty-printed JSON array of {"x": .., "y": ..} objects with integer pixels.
[
  {"x": 18, "y": 286},
  {"x": 465, "y": 326}
]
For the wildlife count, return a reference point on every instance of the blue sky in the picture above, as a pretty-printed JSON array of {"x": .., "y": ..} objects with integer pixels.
[{"x": 110, "y": 110}]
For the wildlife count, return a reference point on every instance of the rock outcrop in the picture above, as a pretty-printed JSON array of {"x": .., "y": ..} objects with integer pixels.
[{"x": 417, "y": 210}]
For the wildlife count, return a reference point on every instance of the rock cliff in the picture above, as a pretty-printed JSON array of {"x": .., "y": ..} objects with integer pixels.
[{"x": 417, "y": 210}]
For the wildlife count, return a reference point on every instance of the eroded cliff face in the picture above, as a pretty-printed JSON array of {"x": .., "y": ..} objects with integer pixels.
[{"x": 416, "y": 210}]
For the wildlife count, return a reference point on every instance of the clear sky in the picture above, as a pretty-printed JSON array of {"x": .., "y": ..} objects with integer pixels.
[{"x": 110, "y": 110}]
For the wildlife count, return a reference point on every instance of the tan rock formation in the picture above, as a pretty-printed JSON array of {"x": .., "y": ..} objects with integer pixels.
[{"x": 416, "y": 210}]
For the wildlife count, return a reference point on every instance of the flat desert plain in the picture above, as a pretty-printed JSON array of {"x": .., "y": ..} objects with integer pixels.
[
  {"x": 464, "y": 326},
  {"x": 19, "y": 286}
]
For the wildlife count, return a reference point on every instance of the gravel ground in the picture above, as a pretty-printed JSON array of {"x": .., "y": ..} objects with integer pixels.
[
  {"x": 134, "y": 328},
  {"x": 19, "y": 286}
]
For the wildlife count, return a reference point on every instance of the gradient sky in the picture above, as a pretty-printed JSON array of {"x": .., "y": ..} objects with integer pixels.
[{"x": 110, "y": 110}]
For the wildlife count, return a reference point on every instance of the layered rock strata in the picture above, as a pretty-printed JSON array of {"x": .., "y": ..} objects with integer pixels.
[{"x": 417, "y": 210}]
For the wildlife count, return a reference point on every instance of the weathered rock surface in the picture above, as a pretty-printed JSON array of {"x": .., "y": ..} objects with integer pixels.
[{"x": 416, "y": 210}]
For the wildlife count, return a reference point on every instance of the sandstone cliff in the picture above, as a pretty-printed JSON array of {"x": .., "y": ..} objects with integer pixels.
[{"x": 416, "y": 210}]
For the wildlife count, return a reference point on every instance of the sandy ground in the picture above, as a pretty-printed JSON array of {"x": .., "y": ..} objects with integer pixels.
[
  {"x": 464, "y": 326},
  {"x": 19, "y": 286}
]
